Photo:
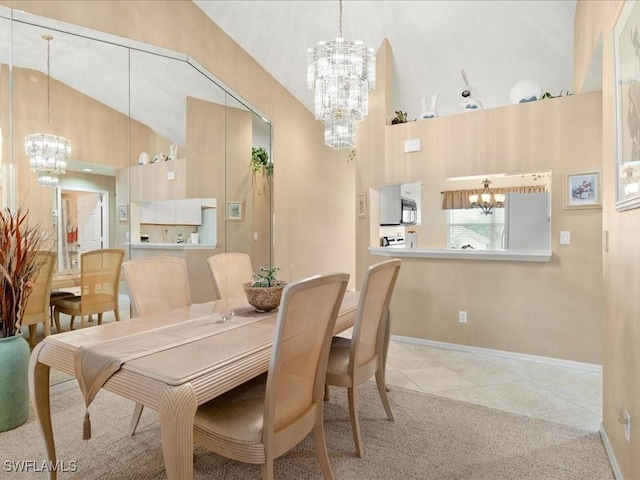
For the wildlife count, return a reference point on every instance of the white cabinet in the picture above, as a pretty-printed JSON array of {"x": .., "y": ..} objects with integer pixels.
[
  {"x": 185, "y": 211},
  {"x": 188, "y": 211},
  {"x": 166, "y": 212},
  {"x": 148, "y": 212}
]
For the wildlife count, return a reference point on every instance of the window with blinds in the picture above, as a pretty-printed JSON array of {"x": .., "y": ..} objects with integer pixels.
[{"x": 470, "y": 226}]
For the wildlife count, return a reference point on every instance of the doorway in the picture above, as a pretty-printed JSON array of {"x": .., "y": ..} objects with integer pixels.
[{"x": 83, "y": 223}]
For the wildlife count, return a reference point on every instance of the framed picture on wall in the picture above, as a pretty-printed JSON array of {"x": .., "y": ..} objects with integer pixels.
[
  {"x": 235, "y": 210},
  {"x": 122, "y": 213},
  {"x": 627, "y": 106},
  {"x": 362, "y": 206},
  {"x": 582, "y": 190}
]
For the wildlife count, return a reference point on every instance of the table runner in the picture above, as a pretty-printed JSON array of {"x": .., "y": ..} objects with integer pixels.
[{"x": 94, "y": 365}]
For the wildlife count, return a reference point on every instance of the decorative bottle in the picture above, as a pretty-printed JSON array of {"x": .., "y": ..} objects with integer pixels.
[{"x": 431, "y": 110}]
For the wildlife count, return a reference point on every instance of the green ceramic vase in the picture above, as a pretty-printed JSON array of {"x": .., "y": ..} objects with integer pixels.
[{"x": 14, "y": 382}]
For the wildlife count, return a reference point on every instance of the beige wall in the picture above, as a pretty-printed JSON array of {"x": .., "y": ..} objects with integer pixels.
[
  {"x": 314, "y": 193},
  {"x": 621, "y": 277},
  {"x": 533, "y": 308}
]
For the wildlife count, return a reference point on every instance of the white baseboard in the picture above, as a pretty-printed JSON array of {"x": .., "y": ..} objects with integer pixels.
[
  {"x": 610, "y": 453},
  {"x": 557, "y": 362}
]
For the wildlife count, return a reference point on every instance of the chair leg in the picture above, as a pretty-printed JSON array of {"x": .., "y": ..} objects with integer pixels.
[
  {"x": 321, "y": 451},
  {"x": 135, "y": 418},
  {"x": 267, "y": 470},
  {"x": 355, "y": 423},
  {"x": 382, "y": 390},
  {"x": 73, "y": 317},
  {"x": 326, "y": 393},
  {"x": 32, "y": 335},
  {"x": 116, "y": 314},
  {"x": 100, "y": 318}
]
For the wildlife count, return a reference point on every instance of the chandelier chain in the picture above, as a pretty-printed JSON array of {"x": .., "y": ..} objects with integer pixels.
[{"x": 340, "y": 8}]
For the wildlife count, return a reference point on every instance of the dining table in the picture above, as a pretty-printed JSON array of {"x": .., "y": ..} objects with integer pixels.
[{"x": 171, "y": 362}]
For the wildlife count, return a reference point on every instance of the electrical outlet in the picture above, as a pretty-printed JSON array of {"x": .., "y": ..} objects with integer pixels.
[
  {"x": 627, "y": 426},
  {"x": 462, "y": 316}
]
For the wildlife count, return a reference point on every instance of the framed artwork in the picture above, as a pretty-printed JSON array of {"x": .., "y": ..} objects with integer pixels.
[
  {"x": 122, "y": 213},
  {"x": 582, "y": 190},
  {"x": 627, "y": 106},
  {"x": 235, "y": 210},
  {"x": 362, "y": 206}
]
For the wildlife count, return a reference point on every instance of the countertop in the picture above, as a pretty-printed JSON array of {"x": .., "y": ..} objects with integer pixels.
[
  {"x": 172, "y": 246},
  {"x": 468, "y": 254}
]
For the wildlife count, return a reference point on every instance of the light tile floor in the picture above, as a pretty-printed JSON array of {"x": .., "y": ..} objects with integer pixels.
[{"x": 563, "y": 395}]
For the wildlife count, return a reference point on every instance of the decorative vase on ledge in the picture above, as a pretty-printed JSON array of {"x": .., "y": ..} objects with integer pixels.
[{"x": 429, "y": 109}]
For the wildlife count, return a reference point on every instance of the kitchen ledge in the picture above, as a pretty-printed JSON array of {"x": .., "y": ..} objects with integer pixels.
[
  {"x": 505, "y": 255},
  {"x": 173, "y": 246}
]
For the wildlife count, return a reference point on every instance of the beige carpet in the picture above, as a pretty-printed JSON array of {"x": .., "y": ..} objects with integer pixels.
[{"x": 432, "y": 438}]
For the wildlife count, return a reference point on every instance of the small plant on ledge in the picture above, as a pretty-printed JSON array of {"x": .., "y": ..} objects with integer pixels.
[
  {"x": 401, "y": 117},
  {"x": 260, "y": 161}
]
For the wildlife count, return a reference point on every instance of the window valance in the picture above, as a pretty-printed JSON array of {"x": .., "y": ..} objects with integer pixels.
[{"x": 454, "y": 199}]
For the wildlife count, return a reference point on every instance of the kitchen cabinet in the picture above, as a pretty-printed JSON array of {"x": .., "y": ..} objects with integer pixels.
[
  {"x": 148, "y": 212},
  {"x": 188, "y": 211},
  {"x": 184, "y": 211}
]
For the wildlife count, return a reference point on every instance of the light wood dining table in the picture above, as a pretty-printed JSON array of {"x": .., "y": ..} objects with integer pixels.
[{"x": 202, "y": 359}]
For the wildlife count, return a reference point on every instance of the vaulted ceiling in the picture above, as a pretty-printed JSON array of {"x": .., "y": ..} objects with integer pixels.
[{"x": 497, "y": 43}]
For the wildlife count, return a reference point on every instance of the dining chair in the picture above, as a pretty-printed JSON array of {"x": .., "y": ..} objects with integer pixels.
[
  {"x": 265, "y": 418},
  {"x": 37, "y": 307},
  {"x": 155, "y": 284},
  {"x": 353, "y": 361},
  {"x": 229, "y": 271},
  {"x": 99, "y": 283}
]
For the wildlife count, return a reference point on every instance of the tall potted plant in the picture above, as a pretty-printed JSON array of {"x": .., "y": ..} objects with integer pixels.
[{"x": 19, "y": 266}]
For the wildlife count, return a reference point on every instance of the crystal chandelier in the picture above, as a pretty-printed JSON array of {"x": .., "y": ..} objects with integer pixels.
[
  {"x": 341, "y": 72},
  {"x": 48, "y": 154},
  {"x": 487, "y": 200}
]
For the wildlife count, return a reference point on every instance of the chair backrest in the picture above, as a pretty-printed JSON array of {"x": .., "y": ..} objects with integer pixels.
[
  {"x": 38, "y": 301},
  {"x": 373, "y": 308},
  {"x": 304, "y": 327},
  {"x": 157, "y": 284},
  {"x": 229, "y": 271},
  {"x": 100, "y": 276}
]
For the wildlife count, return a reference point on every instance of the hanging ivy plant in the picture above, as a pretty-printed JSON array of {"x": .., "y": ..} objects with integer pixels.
[{"x": 260, "y": 160}]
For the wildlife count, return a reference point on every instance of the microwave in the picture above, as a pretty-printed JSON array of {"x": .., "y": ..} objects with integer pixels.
[{"x": 395, "y": 208}]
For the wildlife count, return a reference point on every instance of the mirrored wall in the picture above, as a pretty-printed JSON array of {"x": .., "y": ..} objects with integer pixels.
[{"x": 160, "y": 149}]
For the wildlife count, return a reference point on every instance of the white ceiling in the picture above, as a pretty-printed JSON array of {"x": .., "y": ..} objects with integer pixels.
[{"x": 497, "y": 43}]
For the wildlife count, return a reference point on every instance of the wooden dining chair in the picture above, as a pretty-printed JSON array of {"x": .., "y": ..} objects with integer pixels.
[
  {"x": 37, "y": 307},
  {"x": 229, "y": 271},
  {"x": 353, "y": 361},
  {"x": 99, "y": 283},
  {"x": 262, "y": 420},
  {"x": 155, "y": 284}
]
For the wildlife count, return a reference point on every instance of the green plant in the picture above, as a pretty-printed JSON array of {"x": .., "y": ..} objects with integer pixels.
[
  {"x": 260, "y": 160},
  {"x": 19, "y": 266},
  {"x": 266, "y": 277},
  {"x": 400, "y": 117}
]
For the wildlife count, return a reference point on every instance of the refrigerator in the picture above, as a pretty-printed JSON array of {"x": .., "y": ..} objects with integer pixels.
[{"x": 527, "y": 221}]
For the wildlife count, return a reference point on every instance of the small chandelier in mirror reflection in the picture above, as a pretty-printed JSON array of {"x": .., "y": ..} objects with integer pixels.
[
  {"x": 48, "y": 154},
  {"x": 487, "y": 200},
  {"x": 341, "y": 72}
]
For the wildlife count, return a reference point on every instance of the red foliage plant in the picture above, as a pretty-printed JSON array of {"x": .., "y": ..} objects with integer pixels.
[{"x": 19, "y": 266}]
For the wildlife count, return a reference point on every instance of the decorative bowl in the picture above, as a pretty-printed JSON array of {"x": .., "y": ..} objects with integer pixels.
[{"x": 264, "y": 299}]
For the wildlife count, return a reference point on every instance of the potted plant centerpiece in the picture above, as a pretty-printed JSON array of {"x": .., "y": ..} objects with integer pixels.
[
  {"x": 19, "y": 266},
  {"x": 264, "y": 290}
]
